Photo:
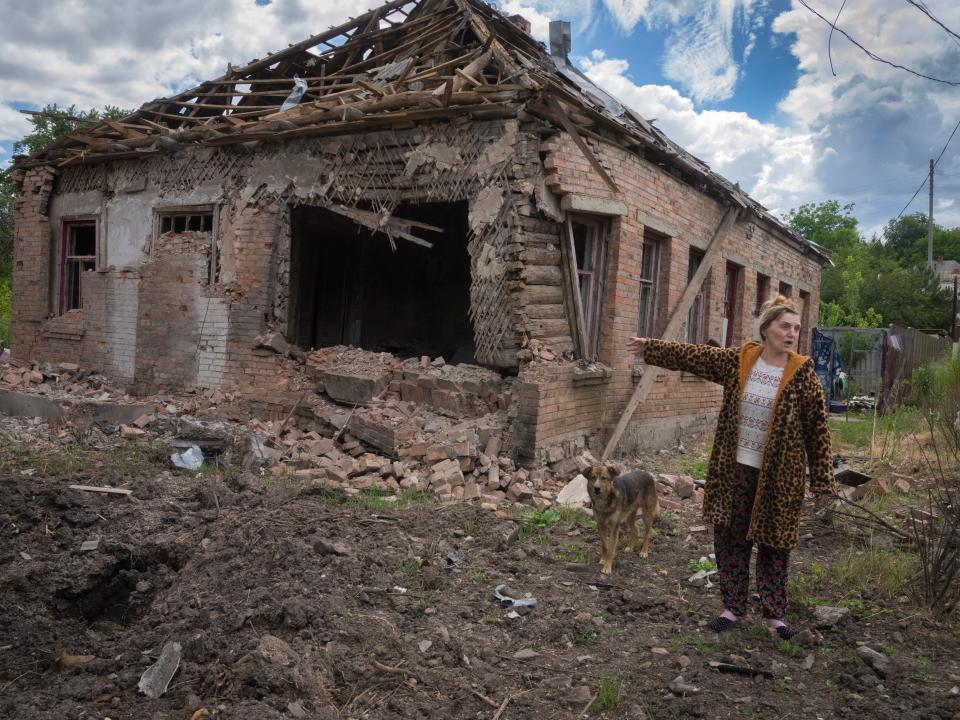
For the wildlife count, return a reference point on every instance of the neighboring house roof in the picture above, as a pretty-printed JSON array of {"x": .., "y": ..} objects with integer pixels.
[{"x": 404, "y": 62}]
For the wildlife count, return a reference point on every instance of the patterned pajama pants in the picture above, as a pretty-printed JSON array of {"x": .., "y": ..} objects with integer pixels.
[{"x": 733, "y": 552}]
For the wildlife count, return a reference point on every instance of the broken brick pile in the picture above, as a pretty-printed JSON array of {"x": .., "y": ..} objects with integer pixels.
[{"x": 415, "y": 424}]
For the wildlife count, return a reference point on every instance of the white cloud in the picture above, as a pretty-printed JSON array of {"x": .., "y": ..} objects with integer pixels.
[
  {"x": 99, "y": 52},
  {"x": 875, "y": 126},
  {"x": 13, "y": 124},
  {"x": 775, "y": 165}
]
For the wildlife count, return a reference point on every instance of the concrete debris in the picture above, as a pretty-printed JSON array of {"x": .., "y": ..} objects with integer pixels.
[
  {"x": 825, "y": 616},
  {"x": 880, "y": 663},
  {"x": 342, "y": 419}
]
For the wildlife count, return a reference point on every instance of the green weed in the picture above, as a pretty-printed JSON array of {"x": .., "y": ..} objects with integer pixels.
[
  {"x": 694, "y": 467},
  {"x": 704, "y": 564},
  {"x": 789, "y": 647},
  {"x": 609, "y": 694},
  {"x": 411, "y": 567},
  {"x": 801, "y": 588},
  {"x": 877, "y": 572}
]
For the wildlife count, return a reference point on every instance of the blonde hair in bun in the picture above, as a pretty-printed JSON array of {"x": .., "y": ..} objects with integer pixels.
[{"x": 772, "y": 309}]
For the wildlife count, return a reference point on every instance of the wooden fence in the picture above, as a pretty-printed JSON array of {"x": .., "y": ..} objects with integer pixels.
[{"x": 878, "y": 361}]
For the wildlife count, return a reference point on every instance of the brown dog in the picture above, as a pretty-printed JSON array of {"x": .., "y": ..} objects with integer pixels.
[{"x": 618, "y": 499}]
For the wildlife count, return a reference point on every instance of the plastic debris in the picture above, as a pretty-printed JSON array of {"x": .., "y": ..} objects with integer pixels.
[
  {"x": 190, "y": 459},
  {"x": 453, "y": 559},
  {"x": 156, "y": 678},
  {"x": 508, "y": 602},
  {"x": 299, "y": 89}
]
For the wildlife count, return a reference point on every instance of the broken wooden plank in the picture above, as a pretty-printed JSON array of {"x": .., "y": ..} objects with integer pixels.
[
  {"x": 103, "y": 489},
  {"x": 677, "y": 316},
  {"x": 579, "y": 323},
  {"x": 581, "y": 143}
]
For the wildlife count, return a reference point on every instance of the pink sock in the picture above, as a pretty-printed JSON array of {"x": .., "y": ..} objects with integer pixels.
[
  {"x": 774, "y": 623},
  {"x": 729, "y": 615}
]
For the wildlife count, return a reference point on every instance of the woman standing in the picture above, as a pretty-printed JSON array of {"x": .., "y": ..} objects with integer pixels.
[{"x": 772, "y": 427}]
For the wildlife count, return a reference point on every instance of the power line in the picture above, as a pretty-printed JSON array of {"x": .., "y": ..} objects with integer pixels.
[
  {"x": 874, "y": 56},
  {"x": 926, "y": 11},
  {"x": 927, "y": 176}
]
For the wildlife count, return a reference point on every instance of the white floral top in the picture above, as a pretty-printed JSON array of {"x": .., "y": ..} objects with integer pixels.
[{"x": 756, "y": 406}]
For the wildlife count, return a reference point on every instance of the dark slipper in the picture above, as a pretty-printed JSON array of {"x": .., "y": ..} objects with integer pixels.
[
  {"x": 721, "y": 624},
  {"x": 786, "y": 633}
]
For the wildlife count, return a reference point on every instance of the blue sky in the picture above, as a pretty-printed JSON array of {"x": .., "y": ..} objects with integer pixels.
[{"x": 745, "y": 85}]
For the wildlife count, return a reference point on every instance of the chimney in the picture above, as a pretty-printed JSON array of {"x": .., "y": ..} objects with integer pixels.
[
  {"x": 559, "y": 38},
  {"x": 521, "y": 22}
]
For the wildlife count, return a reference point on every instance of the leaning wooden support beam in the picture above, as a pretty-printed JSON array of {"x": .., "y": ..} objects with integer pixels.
[
  {"x": 568, "y": 251},
  {"x": 573, "y": 132},
  {"x": 674, "y": 324}
]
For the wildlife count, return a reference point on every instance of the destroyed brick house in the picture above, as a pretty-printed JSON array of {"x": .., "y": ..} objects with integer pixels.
[{"x": 445, "y": 186}]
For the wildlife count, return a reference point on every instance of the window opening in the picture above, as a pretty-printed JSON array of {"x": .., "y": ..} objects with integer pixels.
[
  {"x": 695, "y": 315},
  {"x": 79, "y": 256},
  {"x": 649, "y": 287}
]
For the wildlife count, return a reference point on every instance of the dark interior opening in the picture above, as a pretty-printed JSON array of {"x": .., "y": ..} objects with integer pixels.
[{"x": 349, "y": 287}]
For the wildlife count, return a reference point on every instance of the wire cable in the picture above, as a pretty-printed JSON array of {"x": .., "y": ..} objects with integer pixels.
[
  {"x": 927, "y": 176},
  {"x": 874, "y": 56}
]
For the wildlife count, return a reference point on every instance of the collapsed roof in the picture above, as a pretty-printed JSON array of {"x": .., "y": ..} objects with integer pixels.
[{"x": 405, "y": 62}]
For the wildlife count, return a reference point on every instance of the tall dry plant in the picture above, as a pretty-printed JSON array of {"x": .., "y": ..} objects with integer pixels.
[{"x": 936, "y": 527}]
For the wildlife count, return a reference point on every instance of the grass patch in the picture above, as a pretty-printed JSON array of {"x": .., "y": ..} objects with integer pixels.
[
  {"x": 699, "y": 643},
  {"x": 694, "y": 467},
  {"x": 707, "y": 564},
  {"x": 855, "y": 430},
  {"x": 873, "y": 572},
  {"x": 411, "y": 567},
  {"x": 789, "y": 647},
  {"x": 802, "y": 588},
  {"x": 533, "y": 522},
  {"x": 609, "y": 694},
  {"x": 572, "y": 553}
]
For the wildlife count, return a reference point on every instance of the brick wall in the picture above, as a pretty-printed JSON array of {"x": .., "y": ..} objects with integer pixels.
[
  {"x": 111, "y": 307},
  {"x": 31, "y": 258},
  {"x": 557, "y": 407}
]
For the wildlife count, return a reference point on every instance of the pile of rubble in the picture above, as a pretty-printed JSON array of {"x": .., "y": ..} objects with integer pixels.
[
  {"x": 364, "y": 420},
  {"x": 61, "y": 380}
]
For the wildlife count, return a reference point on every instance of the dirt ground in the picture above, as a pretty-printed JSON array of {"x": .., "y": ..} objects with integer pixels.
[{"x": 290, "y": 601}]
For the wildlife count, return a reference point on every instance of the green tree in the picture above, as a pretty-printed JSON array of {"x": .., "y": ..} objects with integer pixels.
[
  {"x": 833, "y": 226},
  {"x": 829, "y": 224},
  {"x": 905, "y": 239},
  {"x": 909, "y": 296},
  {"x": 49, "y": 125}
]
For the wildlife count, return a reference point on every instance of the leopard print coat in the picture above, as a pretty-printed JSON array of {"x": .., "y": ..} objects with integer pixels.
[{"x": 796, "y": 438}]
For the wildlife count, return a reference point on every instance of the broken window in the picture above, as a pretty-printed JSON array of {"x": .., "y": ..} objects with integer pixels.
[
  {"x": 786, "y": 289},
  {"x": 763, "y": 289},
  {"x": 187, "y": 230},
  {"x": 586, "y": 248},
  {"x": 79, "y": 254},
  {"x": 182, "y": 222},
  {"x": 649, "y": 285},
  {"x": 696, "y": 330},
  {"x": 730, "y": 292},
  {"x": 349, "y": 286}
]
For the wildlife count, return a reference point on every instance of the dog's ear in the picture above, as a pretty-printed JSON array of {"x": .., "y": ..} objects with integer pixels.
[{"x": 613, "y": 470}]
